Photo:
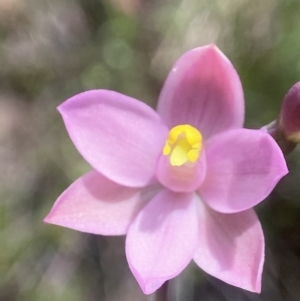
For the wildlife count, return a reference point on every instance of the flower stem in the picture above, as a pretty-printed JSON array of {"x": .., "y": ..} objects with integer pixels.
[{"x": 286, "y": 145}]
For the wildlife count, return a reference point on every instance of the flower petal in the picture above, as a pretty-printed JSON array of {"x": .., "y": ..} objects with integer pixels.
[
  {"x": 243, "y": 167},
  {"x": 231, "y": 247},
  {"x": 97, "y": 205},
  {"x": 185, "y": 178},
  {"x": 119, "y": 136},
  {"x": 162, "y": 239},
  {"x": 203, "y": 90}
]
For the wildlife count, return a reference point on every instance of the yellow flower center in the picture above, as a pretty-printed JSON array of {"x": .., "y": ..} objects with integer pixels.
[{"x": 183, "y": 145}]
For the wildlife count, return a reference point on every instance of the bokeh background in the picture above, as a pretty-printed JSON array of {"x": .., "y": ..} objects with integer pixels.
[{"x": 53, "y": 49}]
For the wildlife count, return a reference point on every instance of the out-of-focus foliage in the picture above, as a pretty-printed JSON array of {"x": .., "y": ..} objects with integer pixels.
[{"x": 53, "y": 49}]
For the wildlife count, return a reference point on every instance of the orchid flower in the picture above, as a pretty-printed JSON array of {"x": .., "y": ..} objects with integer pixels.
[
  {"x": 286, "y": 130},
  {"x": 181, "y": 181}
]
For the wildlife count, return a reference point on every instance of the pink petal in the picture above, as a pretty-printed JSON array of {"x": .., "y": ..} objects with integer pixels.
[
  {"x": 97, "y": 205},
  {"x": 162, "y": 239},
  {"x": 231, "y": 247},
  {"x": 119, "y": 136},
  {"x": 186, "y": 178},
  {"x": 243, "y": 167},
  {"x": 203, "y": 90}
]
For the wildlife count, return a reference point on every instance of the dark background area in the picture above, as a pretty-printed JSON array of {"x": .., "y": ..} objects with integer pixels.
[{"x": 53, "y": 49}]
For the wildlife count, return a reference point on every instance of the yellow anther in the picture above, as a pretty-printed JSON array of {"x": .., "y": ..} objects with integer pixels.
[
  {"x": 183, "y": 145},
  {"x": 193, "y": 155},
  {"x": 167, "y": 149}
]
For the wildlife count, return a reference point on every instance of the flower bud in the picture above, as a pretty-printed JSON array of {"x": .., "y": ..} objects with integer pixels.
[{"x": 289, "y": 118}]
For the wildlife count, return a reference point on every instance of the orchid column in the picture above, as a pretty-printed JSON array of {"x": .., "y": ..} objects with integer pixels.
[{"x": 180, "y": 182}]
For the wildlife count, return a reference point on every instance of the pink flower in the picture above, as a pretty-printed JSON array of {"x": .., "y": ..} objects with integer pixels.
[
  {"x": 289, "y": 121},
  {"x": 180, "y": 182}
]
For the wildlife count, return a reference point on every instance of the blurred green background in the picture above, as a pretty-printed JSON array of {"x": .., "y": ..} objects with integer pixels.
[{"x": 53, "y": 49}]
